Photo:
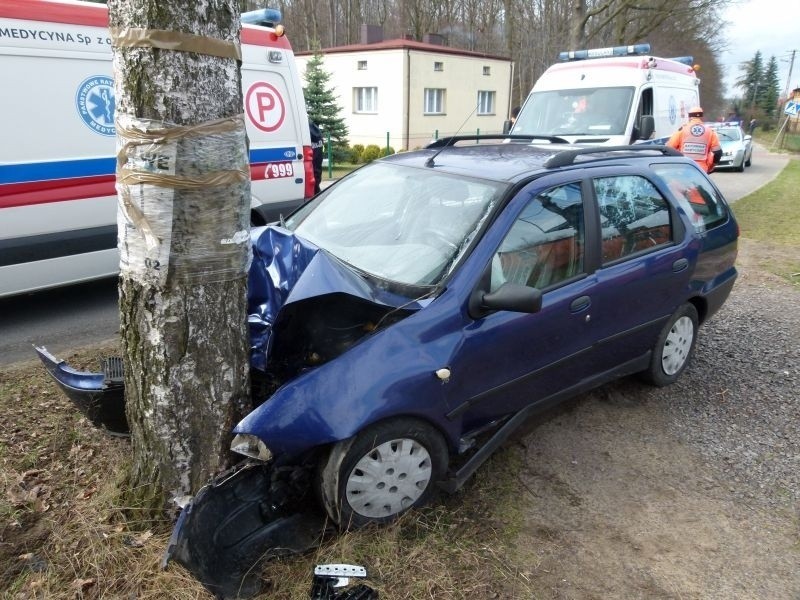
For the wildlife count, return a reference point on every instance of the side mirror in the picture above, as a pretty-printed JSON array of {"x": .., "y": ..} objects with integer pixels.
[
  {"x": 647, "y": 125},
  {"x": 509, "y": 296},
  {"x": 748, "y": 138},
  {"x": 507, "y": 127}
]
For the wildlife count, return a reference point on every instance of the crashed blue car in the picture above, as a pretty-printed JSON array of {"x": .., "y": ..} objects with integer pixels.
[{"x": 414, "y": 314}]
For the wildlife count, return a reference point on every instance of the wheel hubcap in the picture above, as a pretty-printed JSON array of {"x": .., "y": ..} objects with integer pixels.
[
  {"x": 389, "y": 479},
  {"x": 677, "y": 345}
]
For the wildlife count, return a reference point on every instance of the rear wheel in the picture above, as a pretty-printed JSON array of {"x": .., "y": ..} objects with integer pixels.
[
  {"x": 674, "y": 347},
  {"x": 382, "y": 472}
]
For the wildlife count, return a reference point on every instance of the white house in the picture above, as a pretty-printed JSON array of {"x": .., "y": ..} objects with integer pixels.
[{"x": 415, "y": 91}]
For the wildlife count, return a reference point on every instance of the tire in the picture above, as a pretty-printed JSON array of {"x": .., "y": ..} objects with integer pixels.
[
  {"x": 740, "y": 168},
  {"x": 382, "y": 472},
  {"x": 674, "y": 347},
  {"x": 749, "y": 162}
]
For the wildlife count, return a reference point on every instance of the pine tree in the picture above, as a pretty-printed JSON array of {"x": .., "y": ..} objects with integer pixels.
[
  {"x": 768, "y": 99},
  {"x": 752, "y": 80},
  {"x": 322, "y": 107}
]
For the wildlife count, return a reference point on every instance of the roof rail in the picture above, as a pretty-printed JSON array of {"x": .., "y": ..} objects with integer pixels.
[
  {"x": 453, "y": 139},
  {"x": 567, "y": 157}
]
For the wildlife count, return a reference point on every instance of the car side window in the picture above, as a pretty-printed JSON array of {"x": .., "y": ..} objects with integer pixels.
[
  {"x": 634, "y": 216},
  {"x": 545, "y": 245},
  {"x": 695, "y": 194}
]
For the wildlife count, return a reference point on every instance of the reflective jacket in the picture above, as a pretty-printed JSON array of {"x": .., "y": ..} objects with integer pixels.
[{"x": 698, "y": 141}]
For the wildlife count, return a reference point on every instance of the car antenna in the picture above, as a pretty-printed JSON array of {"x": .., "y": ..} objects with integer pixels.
[{"x": 429, "y": 162}]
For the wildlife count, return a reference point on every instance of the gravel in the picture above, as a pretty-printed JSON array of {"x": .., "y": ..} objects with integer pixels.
[{"x": 746, "y": 417}]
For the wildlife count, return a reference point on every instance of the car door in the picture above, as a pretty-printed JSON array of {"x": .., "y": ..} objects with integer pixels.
[
  {"x": 507, "y": 360},
  {"x": 645, "y": 265}
]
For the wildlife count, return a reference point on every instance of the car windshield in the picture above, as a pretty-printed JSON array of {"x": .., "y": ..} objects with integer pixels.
[
  {"x": 729, "y": 134},
  {"x": 590, "y": 111},
  {"x": 398, "y": 223}
]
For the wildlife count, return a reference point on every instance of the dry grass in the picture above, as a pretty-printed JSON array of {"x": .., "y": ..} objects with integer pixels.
[
  {"x": 64, "y": 533},
  {"x": 769, "y": 220}
]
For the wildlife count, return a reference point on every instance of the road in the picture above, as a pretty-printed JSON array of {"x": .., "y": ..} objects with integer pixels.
[{"x": 71, "y": 317}]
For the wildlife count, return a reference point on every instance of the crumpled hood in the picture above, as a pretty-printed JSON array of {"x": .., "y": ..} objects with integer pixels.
[{"x": 287, "y": 269}]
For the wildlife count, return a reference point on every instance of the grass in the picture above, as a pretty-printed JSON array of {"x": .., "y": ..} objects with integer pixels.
[
  {"x": 770, "y": 217},
  {"x": 66, "y": 534},
  {"x": 338, "y": 170}
]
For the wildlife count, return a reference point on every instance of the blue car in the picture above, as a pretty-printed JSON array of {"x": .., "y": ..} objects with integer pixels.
[
  {"x": 433, "y": 296},
  {"x": 415, "y": 313}
]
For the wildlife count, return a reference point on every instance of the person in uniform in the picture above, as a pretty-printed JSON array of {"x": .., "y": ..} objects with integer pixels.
[{"x": 697, "y": 141}]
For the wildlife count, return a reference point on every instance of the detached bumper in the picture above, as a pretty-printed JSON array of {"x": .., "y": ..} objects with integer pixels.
[
  {"x": 99, "y": 396},
  {"x": 245, "y": 516}
]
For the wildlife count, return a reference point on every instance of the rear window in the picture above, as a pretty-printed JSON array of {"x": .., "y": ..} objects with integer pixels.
[{"x": 695, "y": 194}]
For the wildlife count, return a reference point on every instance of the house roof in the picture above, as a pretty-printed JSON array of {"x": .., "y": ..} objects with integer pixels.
[{"x": 403, "y": 44}]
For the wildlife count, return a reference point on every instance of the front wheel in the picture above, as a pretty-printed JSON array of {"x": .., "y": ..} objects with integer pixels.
[
  {"x": 382, "y": 472},
  {"x": 674, "y": 347}
]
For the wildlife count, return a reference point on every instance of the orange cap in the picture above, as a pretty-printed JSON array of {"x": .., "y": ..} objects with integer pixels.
[{"x": 696, "y": 110}]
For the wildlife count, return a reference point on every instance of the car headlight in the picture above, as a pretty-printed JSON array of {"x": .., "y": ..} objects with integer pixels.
[{"x": 250, "y": 445}]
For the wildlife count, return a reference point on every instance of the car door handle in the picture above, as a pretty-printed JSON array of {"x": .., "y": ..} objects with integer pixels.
[
  {"x": 580, "y": 303},
  {"x": 680, "y": 265}
]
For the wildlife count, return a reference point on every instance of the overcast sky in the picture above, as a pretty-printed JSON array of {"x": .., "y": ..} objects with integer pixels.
[{"x": 771, "y": 26}]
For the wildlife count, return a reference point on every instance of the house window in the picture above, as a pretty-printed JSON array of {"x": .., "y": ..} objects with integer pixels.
[
  {"x": 486, "y": 103},
  {"x": 434, "y": 101},
  {"x": 487, "y": 70},
  {"x": 365, "y": 99},
  {"x": 362, "y": 65},
  {"x": 438, "y": 66}
]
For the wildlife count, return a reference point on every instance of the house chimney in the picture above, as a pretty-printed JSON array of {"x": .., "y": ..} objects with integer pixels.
[
  {"x": 371, "y": 34},
  {"x": 434, "y": 38}
]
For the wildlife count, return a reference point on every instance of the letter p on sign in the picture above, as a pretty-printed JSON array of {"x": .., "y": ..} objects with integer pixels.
[{"x": 265, "y": 107}]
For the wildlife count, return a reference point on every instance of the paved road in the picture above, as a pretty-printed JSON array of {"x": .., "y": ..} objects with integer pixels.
[
  {"x": 76, "y": 316},
  {"x": 765, "y": 167}
]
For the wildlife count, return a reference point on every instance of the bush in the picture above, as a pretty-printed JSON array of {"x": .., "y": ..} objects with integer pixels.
[
  {"x": 341, "y": 154},
  {"x": 356, "y": 153},
  {"x": 371, "y": 153},
  {"x": 388, "y": 151}
]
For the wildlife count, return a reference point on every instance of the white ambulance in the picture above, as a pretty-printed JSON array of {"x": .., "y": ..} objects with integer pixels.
[
  {"x": 611, "y": 96},
  {"x": 57, "y": 168}
]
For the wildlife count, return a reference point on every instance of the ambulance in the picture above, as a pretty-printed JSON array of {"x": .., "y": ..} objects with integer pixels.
[
  {"x": 611, "y": 96},
  {"x": 58, "y": 206}
]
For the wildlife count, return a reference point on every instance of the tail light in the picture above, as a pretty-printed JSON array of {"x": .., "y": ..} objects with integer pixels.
[{"x": 308, "y": 167}]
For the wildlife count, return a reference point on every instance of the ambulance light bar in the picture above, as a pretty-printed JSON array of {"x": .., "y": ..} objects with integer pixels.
[
  {"x": 634, "y": 50},
  {"x": 686, "y": 60},
  {"x": 266, "y": 17}
]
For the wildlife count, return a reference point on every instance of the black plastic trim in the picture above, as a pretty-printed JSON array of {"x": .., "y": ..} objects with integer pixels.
[{"x": 56, "y": 245}]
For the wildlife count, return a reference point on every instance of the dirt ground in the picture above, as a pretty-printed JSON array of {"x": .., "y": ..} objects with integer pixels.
[
  {"x": 619, "y": 504},
  {"x": 619, "y": 507}
]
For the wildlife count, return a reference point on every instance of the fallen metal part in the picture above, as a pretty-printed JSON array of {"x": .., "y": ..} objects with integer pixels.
[
  {"x": 247, "y": 515},
  {"x": 99, "y": 396},
  {"x": 329, "y": 577}
]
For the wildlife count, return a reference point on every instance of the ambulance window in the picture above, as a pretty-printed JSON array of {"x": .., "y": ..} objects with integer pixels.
[{"x": 647, "y": 101}]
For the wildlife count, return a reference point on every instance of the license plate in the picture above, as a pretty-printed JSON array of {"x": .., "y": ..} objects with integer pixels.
[{"x": 279, "y": 169}]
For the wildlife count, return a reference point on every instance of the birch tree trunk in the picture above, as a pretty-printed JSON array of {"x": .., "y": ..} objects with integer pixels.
[{"x": 183, "y": 229}]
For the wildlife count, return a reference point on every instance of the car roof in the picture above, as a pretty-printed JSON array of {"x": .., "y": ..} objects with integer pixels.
[{"x": 495, "y": 159}]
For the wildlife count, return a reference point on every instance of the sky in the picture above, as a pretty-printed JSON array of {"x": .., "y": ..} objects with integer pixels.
[{"x": 771, "y": 26}]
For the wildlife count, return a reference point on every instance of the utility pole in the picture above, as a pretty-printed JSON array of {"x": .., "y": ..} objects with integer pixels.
[{"x": 789, "y": 78}]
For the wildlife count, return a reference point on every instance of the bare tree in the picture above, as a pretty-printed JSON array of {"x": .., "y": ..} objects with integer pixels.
[{"x": 183, "y": 186}]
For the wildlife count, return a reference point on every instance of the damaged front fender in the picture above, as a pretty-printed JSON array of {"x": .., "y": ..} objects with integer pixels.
[{"x": 246, "y": 515}]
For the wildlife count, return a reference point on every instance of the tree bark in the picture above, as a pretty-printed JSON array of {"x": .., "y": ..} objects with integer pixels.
[{"x": 183, "y": 234}]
